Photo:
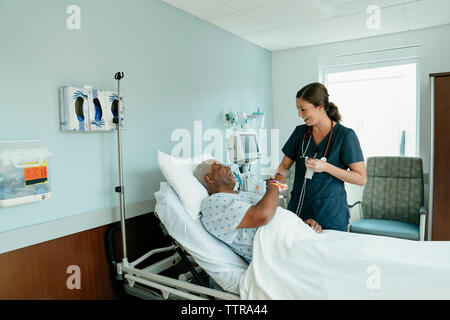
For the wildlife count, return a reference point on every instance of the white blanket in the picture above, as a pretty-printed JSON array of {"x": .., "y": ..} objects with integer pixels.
[{"x": 290, "y": 261}]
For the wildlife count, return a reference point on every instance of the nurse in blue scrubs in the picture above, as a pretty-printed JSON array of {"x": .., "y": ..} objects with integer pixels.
[{"x": 332, "y": 154}]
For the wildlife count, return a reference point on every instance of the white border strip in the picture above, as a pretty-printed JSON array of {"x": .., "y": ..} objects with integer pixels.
[{"x": 27, "y": 236}]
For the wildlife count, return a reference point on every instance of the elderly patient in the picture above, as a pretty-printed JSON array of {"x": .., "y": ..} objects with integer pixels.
[{"x": 234, "y": 217}]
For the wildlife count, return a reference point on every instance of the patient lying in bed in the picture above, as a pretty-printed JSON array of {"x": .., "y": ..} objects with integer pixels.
[
  {"x": 291, "y": 261},
  {"x": 235, "y": 217}
]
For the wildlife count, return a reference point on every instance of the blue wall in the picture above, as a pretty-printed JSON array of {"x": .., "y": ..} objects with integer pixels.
[{"x": 178, "y": 69}]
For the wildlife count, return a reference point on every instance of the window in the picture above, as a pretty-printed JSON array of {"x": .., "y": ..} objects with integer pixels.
[{"x": 380, "y": 104}]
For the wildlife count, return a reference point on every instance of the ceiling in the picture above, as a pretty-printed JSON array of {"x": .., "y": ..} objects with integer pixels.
[{"x": 283, "y": 24}]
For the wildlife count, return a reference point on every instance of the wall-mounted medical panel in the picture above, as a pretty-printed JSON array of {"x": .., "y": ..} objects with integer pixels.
[
  {"x": 24, "y": 174},
  {"x": 86, "y": 109}
]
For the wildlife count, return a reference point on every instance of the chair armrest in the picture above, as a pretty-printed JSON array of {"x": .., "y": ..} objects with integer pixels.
[
  {"x": 354, "y": 204},
  {"x": 423, "y": 210},
  {"x": 360, "y": 208}
]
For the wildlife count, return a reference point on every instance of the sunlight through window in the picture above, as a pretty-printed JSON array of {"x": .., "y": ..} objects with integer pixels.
[{"x": 380, "y": 105}]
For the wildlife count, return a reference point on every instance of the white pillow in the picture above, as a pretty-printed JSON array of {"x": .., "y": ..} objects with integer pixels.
[{"x": 179, "y": 174}]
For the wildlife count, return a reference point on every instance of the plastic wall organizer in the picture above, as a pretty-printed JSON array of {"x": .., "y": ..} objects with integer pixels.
[
  {"x": 87, "y": 109},
  {"x": 24, "y": 174}
]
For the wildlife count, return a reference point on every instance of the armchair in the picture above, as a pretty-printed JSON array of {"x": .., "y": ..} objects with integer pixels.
[{"x": 393, "y": 199}]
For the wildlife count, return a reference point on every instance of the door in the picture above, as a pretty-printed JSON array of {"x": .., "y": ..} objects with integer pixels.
[{"x": 441, "y": 176}]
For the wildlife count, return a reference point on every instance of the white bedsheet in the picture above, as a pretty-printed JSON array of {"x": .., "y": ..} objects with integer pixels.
[{"x": 290, "y": 261}]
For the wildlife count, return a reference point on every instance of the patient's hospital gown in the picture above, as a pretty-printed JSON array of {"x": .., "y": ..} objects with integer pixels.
[{"x": 221, "y": 213}]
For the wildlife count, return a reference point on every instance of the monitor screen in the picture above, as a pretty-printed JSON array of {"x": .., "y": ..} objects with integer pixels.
[{"x": 249, "y": 144}]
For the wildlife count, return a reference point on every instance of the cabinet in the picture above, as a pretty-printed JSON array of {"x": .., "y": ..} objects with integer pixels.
[{"x": 440, "y": 152}]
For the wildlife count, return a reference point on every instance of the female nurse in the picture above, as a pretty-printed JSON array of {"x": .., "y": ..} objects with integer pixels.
[{"x": 326, "y": 154}]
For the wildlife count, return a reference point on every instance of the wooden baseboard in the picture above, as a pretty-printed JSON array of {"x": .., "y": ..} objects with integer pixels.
[{"x": 40, "y": 271}]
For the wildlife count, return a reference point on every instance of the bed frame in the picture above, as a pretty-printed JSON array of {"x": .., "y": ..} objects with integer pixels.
[{"x": 148, "y": 283}]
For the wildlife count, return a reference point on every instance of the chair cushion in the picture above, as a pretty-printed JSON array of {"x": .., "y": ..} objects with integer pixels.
[
  {"x": 388, "y": 228},
  {"x": 394, "y": 189}
]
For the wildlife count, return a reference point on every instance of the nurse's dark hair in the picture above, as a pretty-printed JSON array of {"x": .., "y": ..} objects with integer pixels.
[{"x": 317, "y": 94}]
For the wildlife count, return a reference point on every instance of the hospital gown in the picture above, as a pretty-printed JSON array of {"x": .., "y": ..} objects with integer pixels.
[{"x": 221, "y": 213}]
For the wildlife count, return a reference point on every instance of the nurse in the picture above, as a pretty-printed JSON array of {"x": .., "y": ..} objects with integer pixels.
[{"x": 332, "y": 154}]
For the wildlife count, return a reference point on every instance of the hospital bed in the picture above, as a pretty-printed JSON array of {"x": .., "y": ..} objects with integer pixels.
[
  {"x": 333, "y": 265},
  {"x": 214, "y": 270},
  {"x": 290, "y": 261}
]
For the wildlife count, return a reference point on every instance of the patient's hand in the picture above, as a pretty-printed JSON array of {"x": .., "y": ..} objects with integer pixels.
[{"x": 314, "y": 225}]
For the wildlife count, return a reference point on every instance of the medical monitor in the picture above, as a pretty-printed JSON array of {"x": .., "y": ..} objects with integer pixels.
[{"x": 243, "y": 147}]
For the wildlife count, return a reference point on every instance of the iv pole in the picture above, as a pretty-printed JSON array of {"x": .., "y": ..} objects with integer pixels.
[{"x": 120, "y": 188}]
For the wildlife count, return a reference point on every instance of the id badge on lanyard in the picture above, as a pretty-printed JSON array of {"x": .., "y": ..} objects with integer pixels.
[{"x": 309, "y": 173}]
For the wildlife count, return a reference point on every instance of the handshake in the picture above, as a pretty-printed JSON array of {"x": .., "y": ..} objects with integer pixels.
[{"x": 278, "y": 180}]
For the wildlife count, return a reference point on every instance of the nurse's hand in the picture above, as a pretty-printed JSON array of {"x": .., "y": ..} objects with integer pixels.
[
  {"x": 314, "y": 225},
  {"x": 278, "y": 176},
  {"x": 316, "y": 165}
]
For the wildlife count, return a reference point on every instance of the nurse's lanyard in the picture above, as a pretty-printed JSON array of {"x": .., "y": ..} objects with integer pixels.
[{"x": 308, "y": 172}]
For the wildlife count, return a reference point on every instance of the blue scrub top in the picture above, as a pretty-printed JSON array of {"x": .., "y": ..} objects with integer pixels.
[{"x": 325, "y": 197}]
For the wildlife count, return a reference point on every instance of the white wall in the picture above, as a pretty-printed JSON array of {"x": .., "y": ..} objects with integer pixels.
[{"x": 178, "y": 69}]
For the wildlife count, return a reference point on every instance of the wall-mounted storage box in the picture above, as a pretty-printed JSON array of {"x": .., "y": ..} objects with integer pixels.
[
  {"x": 23, "y": 172},
  {"x": 114, "y": 109},
  {"x": 97, "y": 111},
  {"x": 74, "y": 109},
  {"x": 86, "y": 109}
]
